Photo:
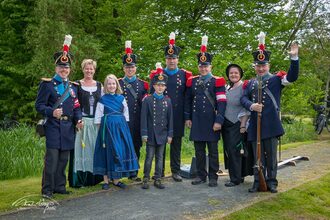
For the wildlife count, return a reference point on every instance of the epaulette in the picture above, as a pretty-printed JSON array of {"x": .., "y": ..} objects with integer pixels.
[
  {"x": 281, "y": 74},
  {"x": 188, "y": 73},
  {"x": 220, "y": 81},
  {"x": 74, "y": 83},
  {"x": 46, "y": 79},
  {"x": 245, "y": 84},
  {"x": 189, "y": 81},
  {"x": 145, "y": 84},
  {"x": 145, "y": 96}
]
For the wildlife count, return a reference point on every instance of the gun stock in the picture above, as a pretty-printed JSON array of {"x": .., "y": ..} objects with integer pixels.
[{"x": 262, "y": 181}]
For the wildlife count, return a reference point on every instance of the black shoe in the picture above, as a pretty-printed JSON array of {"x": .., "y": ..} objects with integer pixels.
[
  {"x": 242, "y": 180},
  {"x": 253, "y": 189},
  {"x": 213, "y": 183},
  {"x": 47, "y": 195},
  {"x": 176, "y": 177},
  {"x": 64, "y": 192},
  {"x": 273, "y": 189},
  {"x": 105, "y": 186},
  {"x": 198, "y": 181},
  {"x": 145, "y": 184},
  {"x": 158, "y": 184},
  {"x": 230, "y": 184}
]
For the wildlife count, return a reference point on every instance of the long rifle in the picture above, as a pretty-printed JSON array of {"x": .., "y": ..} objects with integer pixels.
[{"x": 262, "y": 181}]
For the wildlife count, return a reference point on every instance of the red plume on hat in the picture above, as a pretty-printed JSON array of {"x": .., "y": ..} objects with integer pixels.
[
  {"x": 159, "y": 68},
  {"x": 128, "y": 47},
  {"x": 66, "y": 44},
  {"x": 204, "y": 44},
  {"x": 171, "y": 40},
  {"x": 262, "y": 45}
]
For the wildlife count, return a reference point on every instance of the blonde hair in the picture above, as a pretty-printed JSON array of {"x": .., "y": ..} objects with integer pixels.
[
  {"x": 87, "y": 62},
  {"x": 113, "y": 77}
]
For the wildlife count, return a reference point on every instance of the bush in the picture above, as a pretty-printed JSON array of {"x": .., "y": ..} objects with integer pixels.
[{"x": 22, "y": 153}]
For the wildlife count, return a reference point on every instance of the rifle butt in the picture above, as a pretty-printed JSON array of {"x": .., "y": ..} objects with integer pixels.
[{"x": 262, "y": 181}]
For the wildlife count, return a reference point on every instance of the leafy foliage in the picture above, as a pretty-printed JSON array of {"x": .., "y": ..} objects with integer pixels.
[{"x": 33, "y": 30}]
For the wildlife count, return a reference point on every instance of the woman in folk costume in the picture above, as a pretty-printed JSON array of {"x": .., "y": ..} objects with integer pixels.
[
  {"x": 114, "y": 156},
  {"x": 81, "y": 159}
]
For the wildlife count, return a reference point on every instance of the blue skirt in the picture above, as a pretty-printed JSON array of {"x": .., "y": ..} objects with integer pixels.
[{"x": 114, "y": 150}]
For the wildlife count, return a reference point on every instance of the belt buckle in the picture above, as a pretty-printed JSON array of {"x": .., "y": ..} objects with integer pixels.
[{"x": 65, "y": 118}]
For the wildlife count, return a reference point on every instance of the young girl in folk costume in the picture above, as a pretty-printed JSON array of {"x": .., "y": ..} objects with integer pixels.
[{"x": 114, "y": 156}]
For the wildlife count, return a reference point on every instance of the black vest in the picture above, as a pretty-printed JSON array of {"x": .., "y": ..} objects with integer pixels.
[{"x": 84, "y": 96}]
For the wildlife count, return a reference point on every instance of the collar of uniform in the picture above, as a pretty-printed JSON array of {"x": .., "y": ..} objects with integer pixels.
[
  {"x": 158, "y": 96},
  {"x": 207, "y": 76},
  {"x": 130, "y": 80},
  {"x": 171, "y": 72},
  {"x": 266, "y": 76}
]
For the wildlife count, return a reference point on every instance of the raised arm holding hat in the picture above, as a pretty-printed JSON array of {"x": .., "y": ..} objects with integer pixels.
[
  {"x": 134, "y": 90},
  {"x": 205, "y": 105},
  {"x": 175, "y": 89},
  {"x": 61, "y": 123},
  {"x": 271, "y": 126}
]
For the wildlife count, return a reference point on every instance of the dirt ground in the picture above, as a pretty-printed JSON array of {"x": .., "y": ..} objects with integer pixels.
[{"x": 182, "y": 200}]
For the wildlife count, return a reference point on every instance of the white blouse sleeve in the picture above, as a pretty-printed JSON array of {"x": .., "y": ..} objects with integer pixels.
[
  {"x": 126, "y": 113},
  {"x": 98, "y": 113}
]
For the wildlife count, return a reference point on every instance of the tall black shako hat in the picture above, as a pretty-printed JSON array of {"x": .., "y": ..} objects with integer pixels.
[
  {"x": 261, "y": 56},
  {"x": 204, "y": 58},
  {"x": 129, "y": 59},
  {"x": 159, "y": 77},
  {"x": 64, "y": 58},
  {"x": 172, "y": 51}
]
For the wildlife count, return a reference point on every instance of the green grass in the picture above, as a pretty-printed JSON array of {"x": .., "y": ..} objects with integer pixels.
[
  {"x": 22, "y": 152},
  {"x": 309, "y": 201}
]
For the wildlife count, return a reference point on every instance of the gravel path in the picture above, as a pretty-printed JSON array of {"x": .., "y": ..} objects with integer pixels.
[{"x": 183, "y": 200}]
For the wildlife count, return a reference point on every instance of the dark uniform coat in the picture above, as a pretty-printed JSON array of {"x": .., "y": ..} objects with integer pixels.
[
  {"x": 134, "y": 106},
  {"x": 176, "y": 89},
  {"x": 60, "y": 134},
  {"x": 156, "y": 120},
  {"x": 199, "y": 109},
  {"x": 271, "y": 125}
]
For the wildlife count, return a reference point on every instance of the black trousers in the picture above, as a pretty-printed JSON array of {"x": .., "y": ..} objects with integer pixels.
[
  {"x": 157, "y": 151},
  {"x": 268, "y": 160},
  {"x": 175, "y": 155},
  {"x": 200, "y": 153},
  {"x": 53, "y": 178}
]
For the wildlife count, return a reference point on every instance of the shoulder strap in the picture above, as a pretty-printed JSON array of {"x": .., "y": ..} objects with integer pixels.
[
  {"x": 130, "y": 89},
  {"x": 270, "y": 94},
  {"x": 206, "y": 92},
  {"x": 58, "y": 102}
]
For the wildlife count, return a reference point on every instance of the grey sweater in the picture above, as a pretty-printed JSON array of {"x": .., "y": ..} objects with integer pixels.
[{"x": 234, "y": 109}]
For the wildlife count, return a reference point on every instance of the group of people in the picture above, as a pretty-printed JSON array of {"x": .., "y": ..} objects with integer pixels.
[{"x": 102, "y": 127}]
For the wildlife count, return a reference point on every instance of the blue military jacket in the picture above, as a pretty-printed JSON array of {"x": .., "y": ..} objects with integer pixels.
[
  {"x": 60, "y": 134},
  {"x": 176, "y": 89},
  {"x": 271, "y": 125},
  {"x": 199, "y": 109},
  {"x": 156, "y": 120},
  {"x": 140, "y": 88}
]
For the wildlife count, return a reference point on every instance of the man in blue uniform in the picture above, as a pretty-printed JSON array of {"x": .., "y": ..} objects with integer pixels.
[
  {"x": 271, "y": 127},
  {"x": 61, "y": 122},
  {"x": 175, "y": 89},
  {"x": 205, "y": 106},
  {"x": 134, "y": 90}
]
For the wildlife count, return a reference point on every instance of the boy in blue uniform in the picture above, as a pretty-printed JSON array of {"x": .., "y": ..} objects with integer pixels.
[
  {"x": 271, "y": 126},
  {"x": 61, "y": 122},
  {"x": 134, "y": 90},
  {"x": 205, "y": 106},
  {"x": 175, "y": 89},
  {"x": 156, "y": 128}
]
